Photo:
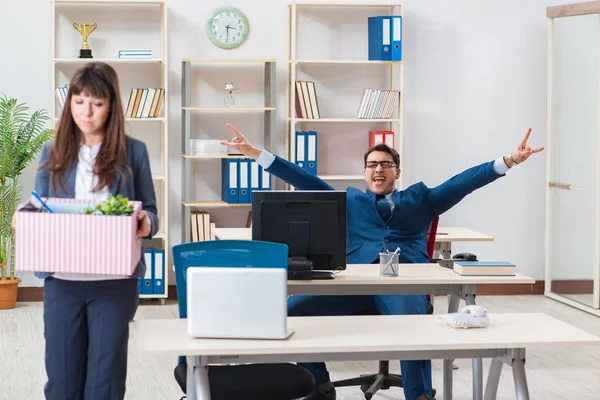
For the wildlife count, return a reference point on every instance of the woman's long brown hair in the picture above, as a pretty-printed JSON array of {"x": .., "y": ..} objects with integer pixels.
[{"x": 99, "y": 80}]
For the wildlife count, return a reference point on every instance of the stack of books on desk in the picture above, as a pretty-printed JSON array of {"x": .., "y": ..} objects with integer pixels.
[{"x": 489, "y": 268}]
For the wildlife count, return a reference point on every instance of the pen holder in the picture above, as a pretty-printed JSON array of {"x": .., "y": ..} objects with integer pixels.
[{"x": 388, "y": 264}]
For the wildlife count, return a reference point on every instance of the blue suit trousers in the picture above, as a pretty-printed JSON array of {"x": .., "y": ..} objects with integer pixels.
[
  {"x": 86, "y": 327},
  {"x": 416, "y": 375}
]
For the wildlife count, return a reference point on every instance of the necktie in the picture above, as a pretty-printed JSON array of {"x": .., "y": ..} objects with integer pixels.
[{"x": 383, "y": 206}]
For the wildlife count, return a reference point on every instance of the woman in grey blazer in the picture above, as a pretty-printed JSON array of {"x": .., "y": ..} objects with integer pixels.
[{"x": 86, "y": 317}]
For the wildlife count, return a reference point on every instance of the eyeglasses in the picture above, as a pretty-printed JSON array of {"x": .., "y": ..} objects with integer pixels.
[{"x": 384, "y": 164}]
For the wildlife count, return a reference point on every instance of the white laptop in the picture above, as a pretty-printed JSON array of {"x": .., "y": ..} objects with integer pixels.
[{"x": 241, "y": 303}]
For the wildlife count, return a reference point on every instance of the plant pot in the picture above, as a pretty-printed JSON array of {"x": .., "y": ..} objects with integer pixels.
[{"x": 8, "y": 293}]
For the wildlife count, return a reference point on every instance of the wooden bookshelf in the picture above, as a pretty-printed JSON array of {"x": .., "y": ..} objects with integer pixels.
[
  {"x": 65, "y": 44},
  {"x": 392, "y": 70},
  {"x": 268, "y": 109}
]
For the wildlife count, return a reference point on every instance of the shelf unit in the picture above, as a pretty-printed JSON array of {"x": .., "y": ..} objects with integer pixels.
[
  {"x": 188, "y": 109},
  {"x": 133, "y": 73},
  {"x": 296, "y": 63}
]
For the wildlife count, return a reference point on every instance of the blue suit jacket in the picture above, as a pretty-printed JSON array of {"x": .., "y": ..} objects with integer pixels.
[
  {"x": 135, "y": 185},
  {"x": 407, "y": 227}
]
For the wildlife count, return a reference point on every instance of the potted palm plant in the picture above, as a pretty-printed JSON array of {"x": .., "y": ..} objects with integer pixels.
[{"x": 22, "y": 135}]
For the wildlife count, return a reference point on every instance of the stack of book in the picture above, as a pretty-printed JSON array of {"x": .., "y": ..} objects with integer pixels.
[
  {"x": 306, "y": 100},
  {"x": 61, "y": 94},
  {"x": 201, "y": 227},
  {"x": 207, "y": 147},
  {"x": 377, "y": 104},
  {"x": 144, "y": 103},
  {"x": 489, "y": 268},
  {"x": 135, "y": 54}
]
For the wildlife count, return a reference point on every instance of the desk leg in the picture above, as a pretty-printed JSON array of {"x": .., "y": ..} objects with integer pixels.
[
  {"x": 491, "y": 387},
  {"x": 518, "y": 367},
  {"x": 446, "y": 248},
  {"x": 448, "y": 379},
  {"x": 197, "y": 386},
  {"x": 453, "y": 302},
  {"x": 477, "y": 362}
]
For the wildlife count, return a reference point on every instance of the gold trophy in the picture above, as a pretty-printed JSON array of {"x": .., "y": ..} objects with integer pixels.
[{"x": 85, "y": 30}]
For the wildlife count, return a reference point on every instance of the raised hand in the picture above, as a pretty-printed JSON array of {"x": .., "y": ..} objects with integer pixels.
[
  {"x": 523, "y": 151},
  {"x": 241, "y": 144}
]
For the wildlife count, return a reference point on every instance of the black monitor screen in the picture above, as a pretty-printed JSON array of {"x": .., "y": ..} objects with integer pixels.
[{"x": 311, "y": 223}]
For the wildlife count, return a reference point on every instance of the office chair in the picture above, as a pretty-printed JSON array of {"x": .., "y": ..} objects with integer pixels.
[
  {"x": 251, "y": 381},
  {"x": 383, "y": 380}
]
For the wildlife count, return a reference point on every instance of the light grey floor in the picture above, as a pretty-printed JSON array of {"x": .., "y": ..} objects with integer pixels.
[{"x": 553, "y": 373}]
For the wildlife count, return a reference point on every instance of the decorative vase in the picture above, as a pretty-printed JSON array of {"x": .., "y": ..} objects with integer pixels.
[{"x": 8, "y": 293}]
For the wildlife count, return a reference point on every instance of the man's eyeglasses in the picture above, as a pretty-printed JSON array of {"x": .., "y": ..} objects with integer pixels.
[{"x": 384, "y": 164}]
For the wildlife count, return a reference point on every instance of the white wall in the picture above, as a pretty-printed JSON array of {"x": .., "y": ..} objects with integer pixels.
[{"x": 474, "y": 81}]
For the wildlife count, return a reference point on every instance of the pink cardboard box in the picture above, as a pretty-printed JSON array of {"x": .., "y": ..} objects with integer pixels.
[{"x": 64, "y": 241}]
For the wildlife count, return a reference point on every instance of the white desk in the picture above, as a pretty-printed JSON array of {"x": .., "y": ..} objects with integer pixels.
[
  {"x": 443, "y": 238},
  {"x": 364, "y": 279},
  {"x": 357, "y": 338}
]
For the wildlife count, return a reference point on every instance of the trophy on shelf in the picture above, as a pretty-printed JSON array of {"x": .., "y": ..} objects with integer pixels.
[
  {"x": 85, "y": 30},
  {"x": 229, "y": 100}
]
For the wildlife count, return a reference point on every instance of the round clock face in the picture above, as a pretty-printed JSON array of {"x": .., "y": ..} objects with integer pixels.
[{"x": 227, "y": 27}]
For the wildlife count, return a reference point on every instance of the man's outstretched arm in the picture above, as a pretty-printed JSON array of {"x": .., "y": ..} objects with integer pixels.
[
  {"x": 443, "y": 197},
  {"x": 281, "y": 168}
]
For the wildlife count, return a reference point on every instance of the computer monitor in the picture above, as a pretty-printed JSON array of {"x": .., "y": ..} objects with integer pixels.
[{"x": 311, "y": 223}]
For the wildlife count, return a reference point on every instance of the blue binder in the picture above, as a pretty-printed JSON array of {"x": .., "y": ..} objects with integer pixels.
[
  {"x": 396, "y": 38},
  {"x": 244, "y": 180},
  {"x": 300, "y": 156},
  {"x": 265, "y": 179},
  {"x": 254, "y": 178},
  {"x": 380, "y": 38},
  {"x": 230, "y": 181},
  {"x": 311, "y": 152},
  {"x": 159, "y": 269},
  {"x": 147, "y": 285}
]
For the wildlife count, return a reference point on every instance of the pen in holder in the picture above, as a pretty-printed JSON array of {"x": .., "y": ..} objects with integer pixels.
[{"x": 388, "y": 263}]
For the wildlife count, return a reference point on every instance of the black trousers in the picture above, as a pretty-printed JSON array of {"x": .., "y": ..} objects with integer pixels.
[{"x": 86, "y": 327}]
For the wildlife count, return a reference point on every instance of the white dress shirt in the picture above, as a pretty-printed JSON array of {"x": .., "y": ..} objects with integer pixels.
[
  {"x": 265, "y": 159},
  {"x": 85, "y": 181}
]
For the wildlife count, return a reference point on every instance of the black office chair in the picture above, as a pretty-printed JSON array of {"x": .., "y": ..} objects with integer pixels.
[
  {"x": 383, "y": 380},
  {"x": 234, "y": 382},
  {"x": 283, "y": 381}
]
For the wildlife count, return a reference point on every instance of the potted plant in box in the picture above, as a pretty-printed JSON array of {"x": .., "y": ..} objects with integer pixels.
[{"x": 22, "y": 135}]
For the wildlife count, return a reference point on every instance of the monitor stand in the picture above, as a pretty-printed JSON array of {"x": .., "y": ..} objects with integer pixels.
[
  {"x": 302, "y": 269},
  {"x": 322, "y": 275}
]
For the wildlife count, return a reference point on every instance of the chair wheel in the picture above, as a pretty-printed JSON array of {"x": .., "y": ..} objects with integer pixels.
[
  {"x": 364, "y": 388},
  {"x": 433, "y": 392}
]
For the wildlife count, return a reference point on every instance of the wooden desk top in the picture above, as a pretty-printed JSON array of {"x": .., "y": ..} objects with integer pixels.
[
  {"x": 365, "y": 279},
  {"x": 325, "y": 336},
  {"x": 455, "y": 234}
]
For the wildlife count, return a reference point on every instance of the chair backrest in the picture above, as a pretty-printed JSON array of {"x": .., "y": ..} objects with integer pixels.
[
  {"x": 431, "y": 233},
  {"x": 224, "y": 253}
]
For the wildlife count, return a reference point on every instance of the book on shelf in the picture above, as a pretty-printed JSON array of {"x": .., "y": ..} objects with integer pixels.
[
  {"x": 488, "y": 268},
  {"x": 200, "y": 226},
  {"x": 135, "y": 54},
  {"x": 144, "y": 103},
  {"x": 377, "y": 104},
  {"x": 61, "y": 94},
  {"x": 307, "y": 105}
]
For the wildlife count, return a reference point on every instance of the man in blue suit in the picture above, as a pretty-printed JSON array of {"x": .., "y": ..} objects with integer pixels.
[{"x": 383, "y": 214}]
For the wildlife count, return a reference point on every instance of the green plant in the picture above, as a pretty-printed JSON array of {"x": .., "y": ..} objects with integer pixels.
[
  {"x": 21, "y": 137},
  {"x": 115, "y": 205}
]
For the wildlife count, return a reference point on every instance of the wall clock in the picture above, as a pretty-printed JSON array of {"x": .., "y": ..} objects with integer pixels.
[{"x": 227, "y": 27}]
